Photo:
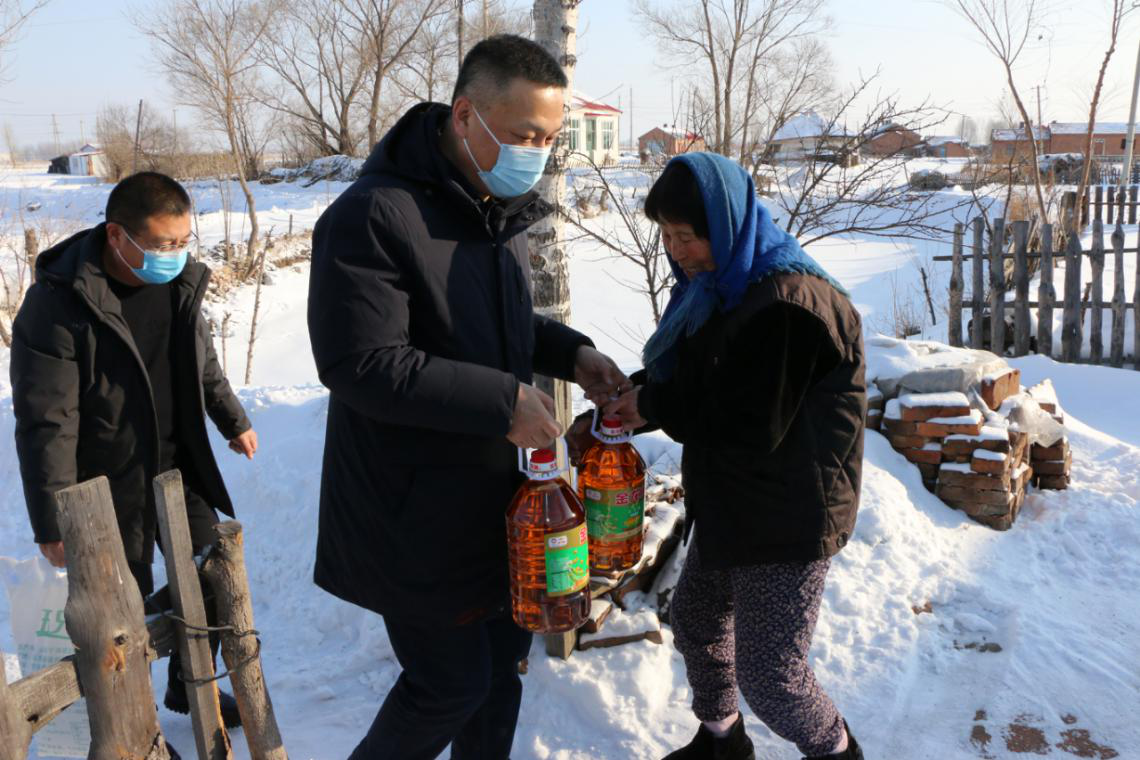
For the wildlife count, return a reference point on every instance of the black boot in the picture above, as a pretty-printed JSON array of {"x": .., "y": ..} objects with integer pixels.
[
  {"x": 853, "y": 751},
  {"x": 734, "y": 746},
  {"x": 176, "y": 701}
]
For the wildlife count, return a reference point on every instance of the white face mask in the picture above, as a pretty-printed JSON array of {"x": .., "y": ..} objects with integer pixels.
[{"x": 517, "y": 170}]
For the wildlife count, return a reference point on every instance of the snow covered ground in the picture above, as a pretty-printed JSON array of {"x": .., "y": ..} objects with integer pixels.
[{"x": 1029, "y": 639}]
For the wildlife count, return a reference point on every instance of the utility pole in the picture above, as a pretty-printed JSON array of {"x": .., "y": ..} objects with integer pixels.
[
  {"x": 138, "y": 130},
  {"x": 176, "y": 131},
  {"x": 55, "y": 131},
  {"x": 632, "y": 147},
  {"x": 486, "y": 29},
  {"x": 82, "y": 137},
  {"x": 1126, "y": 175},
  {"x": 459, "y": 33}
]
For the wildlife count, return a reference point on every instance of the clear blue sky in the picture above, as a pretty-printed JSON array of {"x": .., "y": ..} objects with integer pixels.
[{"x": 79, "y": 54}]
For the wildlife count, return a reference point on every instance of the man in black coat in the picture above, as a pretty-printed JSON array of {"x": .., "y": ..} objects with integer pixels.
[
  {"x": 423, "y": 329},
  {"x": 113, "y": 372}
]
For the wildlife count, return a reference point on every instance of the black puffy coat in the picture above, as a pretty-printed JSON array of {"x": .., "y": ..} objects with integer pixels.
[
  {"x": 83, "y": 402},
  {"x": 422, "y": 327},
  {"x": 769, "y": 400}
]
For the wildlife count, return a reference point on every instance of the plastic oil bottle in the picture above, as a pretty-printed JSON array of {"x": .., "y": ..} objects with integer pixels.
[
  {"x": 548, "y": 550},
  {"x": 611, "y": 484}
]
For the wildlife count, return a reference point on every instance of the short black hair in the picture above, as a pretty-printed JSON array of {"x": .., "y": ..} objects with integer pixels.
[
  {"x": 143, "y": 195},
  {"x": 676, "y": 198},
  {"x": 496, "y": 61}
]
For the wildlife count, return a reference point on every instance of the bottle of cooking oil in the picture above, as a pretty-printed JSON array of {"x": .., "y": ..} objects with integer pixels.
[
  {"x": 548, "y": 550},
  {"x": 611, "y": 484}
]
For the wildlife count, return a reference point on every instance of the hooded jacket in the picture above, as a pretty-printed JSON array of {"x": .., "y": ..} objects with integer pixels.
[
  {"x": 422, "y": 327},
  {"x": 83, "y": 401}
]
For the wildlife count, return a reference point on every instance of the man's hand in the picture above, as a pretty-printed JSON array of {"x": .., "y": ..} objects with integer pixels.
[
  {"x": 246, "y": 444},
  {"x": 579, "y": 437},
  {"x": 54, "y": 554},
  {"x": 626, "y": 408},
  {"x": 598, "y": 375},
  {"x": 533, "y": 425}
]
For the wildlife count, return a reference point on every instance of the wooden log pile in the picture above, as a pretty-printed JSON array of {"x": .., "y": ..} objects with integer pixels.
[{"x": 980, "y": 463}]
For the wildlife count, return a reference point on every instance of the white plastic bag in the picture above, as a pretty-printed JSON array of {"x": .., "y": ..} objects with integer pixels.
[{"x": 37, "y": 593}]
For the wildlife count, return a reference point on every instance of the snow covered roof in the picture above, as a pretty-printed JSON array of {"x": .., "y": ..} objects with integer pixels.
[
  {"x": 944, "y": 140},
  {"x": 1018, "y": 133},
  {"x": 809, "y": 124},
  {"x": 583, "y": 102},
  {"x": 1081, "y": 127}
]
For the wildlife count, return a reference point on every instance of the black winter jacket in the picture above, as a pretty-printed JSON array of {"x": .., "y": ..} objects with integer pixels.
[
  {"x": 83, "y": 402},
  {"x": 769, "y": 400},
  {"x": 422, "y": 327}
]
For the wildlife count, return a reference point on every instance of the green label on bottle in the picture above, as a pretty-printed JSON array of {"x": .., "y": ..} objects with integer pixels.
[
  {"x": 567, "y": 561},
  {"x": 615, "y": 514}
]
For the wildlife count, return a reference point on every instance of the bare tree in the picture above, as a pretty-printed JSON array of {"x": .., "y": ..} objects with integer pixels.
[
  {"x": 1005, "y": 27},
  {"x": 849, "y": 189},
  {"x": 14, "y": 14},
  {"x": 389, "y": 29},
  {"x": 320, "y": 61},
  {"x": 1119, "y": 9},
  {"x": 428, "y": 72},
  {"x": 555, "y": 28},
  {"x": 207, "y": 49},
  {"x": 729, "y": 43}
]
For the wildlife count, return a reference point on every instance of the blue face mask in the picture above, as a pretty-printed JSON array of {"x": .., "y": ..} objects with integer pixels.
[
  {"x": 517, "y": 170},
  {"x": 158, "y": 268}
]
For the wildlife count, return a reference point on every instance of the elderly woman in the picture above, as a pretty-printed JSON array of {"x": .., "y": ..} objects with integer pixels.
[{"x": 757, "y": 368}]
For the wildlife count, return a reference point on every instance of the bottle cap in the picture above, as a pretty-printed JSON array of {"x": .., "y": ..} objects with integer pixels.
[
  {"x": 543, "y": 462},
  {"x": 611, "y": 425}
]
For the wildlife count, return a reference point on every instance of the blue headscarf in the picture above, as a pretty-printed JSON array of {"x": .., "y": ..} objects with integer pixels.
[{"x": 746, "y": 245}]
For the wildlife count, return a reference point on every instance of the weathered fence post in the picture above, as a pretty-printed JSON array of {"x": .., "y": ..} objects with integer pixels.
[
  {"x": 1046, "y": 294},
  {"x": 1116, "y": 351},
  {"x": 1131, "y": 204},
  {"x": 1109, "y": 203},
  {"x": 1136, "y": 312},
  {"x": 31, "y": 251},
  {"x": 225, "y": 569},
  {"x": 978, "y": 290},
  {"x": 1072, "y": 336},
  {"x": 15, "y": 733},
  {"x": 956, "y": 288},
  {"x": 186, "y": 593},
  {"x": 997, "y": 287},
  {"x": 1100, "y": 202},
  {"x": 104, "y": 618},
  {"x": 1096, "y": 324},
  {"x": 1021, "y": 288}
]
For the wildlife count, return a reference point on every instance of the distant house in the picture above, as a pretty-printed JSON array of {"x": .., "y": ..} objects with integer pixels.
[
  {"x": 945, "y": 147},
  {"x": 1109, "y": 140},
  {"x": 659, "y": 143},
  {"x": 88, "y": 161},
  {"x": 807, "y": 135},
  {"x": 892, "y": 139},
  {"x": 1012, "y": 145},
  {"x": 594, "y": 130}
]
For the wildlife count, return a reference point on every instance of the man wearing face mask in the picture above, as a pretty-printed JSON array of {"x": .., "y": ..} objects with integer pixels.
[
  {"x": 423, "y": 329},
  {"x": 113, "y": 373}
]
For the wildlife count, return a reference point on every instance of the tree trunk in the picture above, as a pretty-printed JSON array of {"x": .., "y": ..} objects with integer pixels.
[{"x": 555, "y": 28}]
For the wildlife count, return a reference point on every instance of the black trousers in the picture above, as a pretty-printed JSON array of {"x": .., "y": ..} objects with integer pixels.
[
  {"x": 202, "y": 518},
  {"x": 460, "y": 686}
]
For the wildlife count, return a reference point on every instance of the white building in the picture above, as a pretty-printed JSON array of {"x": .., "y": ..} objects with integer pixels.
[
  {"x": 594, "y": 130},
  {"x": 807, "y": 134},
  {"x": 88, "y": 161}
]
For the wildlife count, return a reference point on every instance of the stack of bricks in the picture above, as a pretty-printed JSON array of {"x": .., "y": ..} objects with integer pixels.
[
  {"x": 986, "y": 475},
  {"x": 1052, "y": 465},
  {"x": 996, "y": 388},
  {"x": 875, "y": 404},
  {"x": 916, "y": 425}
]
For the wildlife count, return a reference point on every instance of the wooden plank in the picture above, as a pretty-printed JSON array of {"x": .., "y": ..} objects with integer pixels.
[
  {"x": 1100, "y": 202},
  {"x": 1046, "y": 294},
  {"x": 15, "y": 733},
  {"x": 225, "y": 569},
  {"x": 41, "y": 696},
  {"x": 1116, "y": 350},
  {"x": 561, "y": 645},
  {"x": 997, "y": 288},
  {"x": 1071, "y": 335},
  {"x": 1021, "y": 289},
  {"x": 104, "y": 618},
  {"x": 1109, "y": 204},
  {"x": 186, "y": 594},
  {"x": 1096, "y": 323},
  {"x": 977, "y": 338},
  {"x": 956, "y": 284},
  {"x": 1132, "y": 204}
]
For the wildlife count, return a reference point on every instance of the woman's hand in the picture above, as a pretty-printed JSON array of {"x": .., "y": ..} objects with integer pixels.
[
  {"x": 245, "y": 444},
  {"x": 626, "y": 408}
]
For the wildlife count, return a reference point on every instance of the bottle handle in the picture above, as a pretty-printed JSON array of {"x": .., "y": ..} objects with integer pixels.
[
  {"x": 596, "y": 430},
  {"x": 561, "y": 459}
]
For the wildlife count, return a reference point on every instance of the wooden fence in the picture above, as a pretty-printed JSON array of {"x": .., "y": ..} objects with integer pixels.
[
  {"x": 115, "y": 644},
  {"x": 1009, "y": 268},
  {"x": 1108, "y": 204}
]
